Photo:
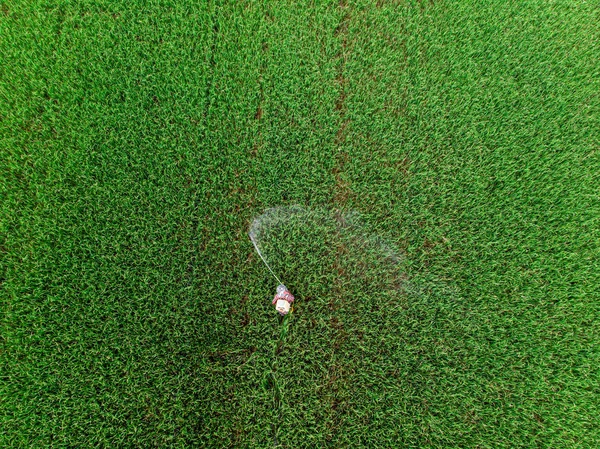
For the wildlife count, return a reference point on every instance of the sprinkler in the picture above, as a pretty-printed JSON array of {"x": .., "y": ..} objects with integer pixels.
[{"x": 283, "y": 298}]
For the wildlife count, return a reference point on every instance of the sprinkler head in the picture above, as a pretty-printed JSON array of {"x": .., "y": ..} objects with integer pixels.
[{"x": 283, "y": 300}]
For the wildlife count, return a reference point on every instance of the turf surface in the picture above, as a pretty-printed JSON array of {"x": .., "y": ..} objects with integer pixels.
[{"x": 138, "y": 141}]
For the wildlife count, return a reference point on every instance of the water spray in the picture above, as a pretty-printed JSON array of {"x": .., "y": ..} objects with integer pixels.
[{"x": 283, "y": 298}]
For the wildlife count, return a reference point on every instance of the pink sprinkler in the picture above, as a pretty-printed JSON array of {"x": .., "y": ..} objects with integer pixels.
[{"x": 283, "y": 300}]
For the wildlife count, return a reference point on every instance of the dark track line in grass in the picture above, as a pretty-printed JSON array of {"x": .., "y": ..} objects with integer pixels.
[
  {"x": 269, "y": 377},
  {"x": 258, "y": 143},
  {"x": 337, "y": 376},
  {"x": 195, "y": 221},
  {"x": 342, "y": 188}
]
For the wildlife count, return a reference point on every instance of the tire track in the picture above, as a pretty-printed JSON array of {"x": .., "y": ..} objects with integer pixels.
[
  {"x": 342, "y": 191},
  {"x": 337, "y": 386}
]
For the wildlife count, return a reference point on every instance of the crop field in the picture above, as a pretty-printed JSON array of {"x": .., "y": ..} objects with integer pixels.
[{"x": 426, "y": 177}]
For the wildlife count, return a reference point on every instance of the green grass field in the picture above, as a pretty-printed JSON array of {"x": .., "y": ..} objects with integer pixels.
[{"x": 138, "y": 139}]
